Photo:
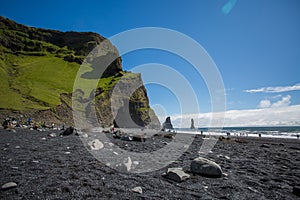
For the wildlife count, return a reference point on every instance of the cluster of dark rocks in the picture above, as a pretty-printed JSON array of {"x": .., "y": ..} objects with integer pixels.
[
  {"x": 199, "y": 166},
  {"x": 118, "y": 134}
]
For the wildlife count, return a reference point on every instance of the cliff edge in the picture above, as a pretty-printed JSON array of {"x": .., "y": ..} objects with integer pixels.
[{"x": 37, "y": 72}]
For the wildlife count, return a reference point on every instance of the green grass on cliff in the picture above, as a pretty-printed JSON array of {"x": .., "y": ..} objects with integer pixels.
[
  {"x": 34, "y": 82},
  {"x": 38, "y": 65}
]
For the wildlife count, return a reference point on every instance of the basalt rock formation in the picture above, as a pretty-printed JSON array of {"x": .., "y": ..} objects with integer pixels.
[
  {"x": 167, "y": 124},
  {"x": 192, "y": 124},
  {"x": 38, "y": 68}
]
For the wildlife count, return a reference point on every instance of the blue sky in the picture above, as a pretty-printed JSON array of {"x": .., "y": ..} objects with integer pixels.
[{"x": 256, "y": 46}]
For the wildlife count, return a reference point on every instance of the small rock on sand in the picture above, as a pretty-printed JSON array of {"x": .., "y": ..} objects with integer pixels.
[
  {"x": 205, "y": 167},
  {"x": 128, "y": 164},
  {"x": 137, "y": 190},
  {"x": 84, "y": 135},
  {"x": 52, "y": 135},
  {"x": 176, "y": 174},
  {"x": 95, "y": 144},
  {"x": 265, "y": 146},
  {"x": 12, "y": 130},
  {"x": 9, "y": 185}
]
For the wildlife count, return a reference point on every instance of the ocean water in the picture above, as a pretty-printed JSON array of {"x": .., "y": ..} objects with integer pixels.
[{"x": 275, "y": 131}]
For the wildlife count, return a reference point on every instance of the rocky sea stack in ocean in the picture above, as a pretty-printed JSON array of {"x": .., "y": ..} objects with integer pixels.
[
  {"x": 167, "y": 124},
  {"x": 38, "y": 71},
  {"x": 192, "y": 124}
]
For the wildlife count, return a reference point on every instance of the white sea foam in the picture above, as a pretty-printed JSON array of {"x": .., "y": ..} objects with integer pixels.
[{"x": 245, "y": 133}]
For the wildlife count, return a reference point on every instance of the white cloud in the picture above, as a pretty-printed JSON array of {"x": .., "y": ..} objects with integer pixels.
[
  {"x": 275, "y": 89},
  {"x": 276, "y": 96},
  {"x": 273, "y": 116},
  {"x": 285, "y": 101},
  {"x": 264, "y": 104}
]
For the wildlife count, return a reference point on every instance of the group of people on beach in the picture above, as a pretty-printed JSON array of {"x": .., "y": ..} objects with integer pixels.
[{"x": 11, "y": 123}]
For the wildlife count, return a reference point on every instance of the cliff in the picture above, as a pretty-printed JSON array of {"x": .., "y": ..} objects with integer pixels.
[{"x": 37, "y": 72}]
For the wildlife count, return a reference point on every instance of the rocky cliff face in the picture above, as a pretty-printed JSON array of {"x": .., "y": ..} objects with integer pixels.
[
  {"x": 126, "y": 104},
  {"x": 27, "y": 53}
]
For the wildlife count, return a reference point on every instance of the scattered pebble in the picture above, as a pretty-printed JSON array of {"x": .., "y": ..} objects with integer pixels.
[
  {"x": 111, "y": 144},
  {"x": 9, "y": 185},
  {"x": 252, "y": 189},
  {"x": 222, "y": 156},
  {"x": 35, "y": 161},
  {"x": 12, "y": 130},
  {"x": 18, "y": 147},
  {"x": 67, "y": 152},
  {"x": 135, "y": 162},
  {"x": 128, "y": 164},
  {"x": 43, "y": 138},
  {"x": 52, "y": 135},
  {"x": 265, "y": 146},
  {"x": 95, "y": 144},
  {"x": 137, "y": 190}
]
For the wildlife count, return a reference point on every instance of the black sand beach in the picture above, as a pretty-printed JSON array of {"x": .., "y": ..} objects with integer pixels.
[{"x": 61, "y": 168}]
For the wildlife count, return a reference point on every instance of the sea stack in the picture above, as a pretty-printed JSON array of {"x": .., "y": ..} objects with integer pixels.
[
  {"x": 192, "y": 124},
  {"x": 167, "y": 124}
]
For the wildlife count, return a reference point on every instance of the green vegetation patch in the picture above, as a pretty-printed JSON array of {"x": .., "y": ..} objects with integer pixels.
[{"x": 34, "y": 82}]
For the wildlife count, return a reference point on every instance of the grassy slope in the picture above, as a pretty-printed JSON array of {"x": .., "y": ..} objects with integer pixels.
[{"x": 34, "y": 82}]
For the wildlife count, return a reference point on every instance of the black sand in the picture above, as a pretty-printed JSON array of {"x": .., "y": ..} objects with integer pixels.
[{"x": 260, "y": 168}]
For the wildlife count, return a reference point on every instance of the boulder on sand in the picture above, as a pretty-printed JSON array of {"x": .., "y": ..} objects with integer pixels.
[{"x": 205, "y": 167}]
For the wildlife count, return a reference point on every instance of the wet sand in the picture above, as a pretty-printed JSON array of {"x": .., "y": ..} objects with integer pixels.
[{"x": 62, "y": 168}]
